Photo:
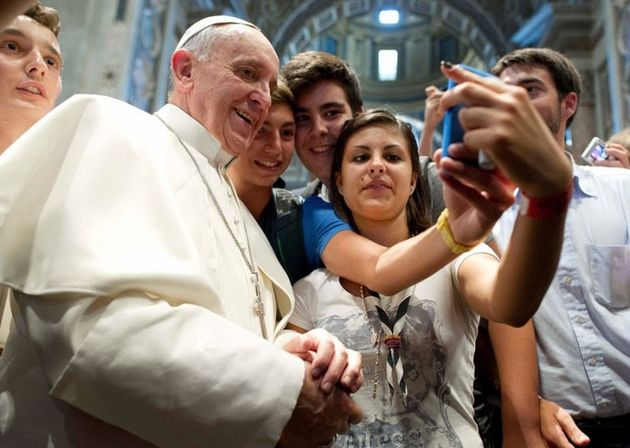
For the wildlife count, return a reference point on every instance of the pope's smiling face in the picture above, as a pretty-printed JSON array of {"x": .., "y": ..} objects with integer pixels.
[{"x": 231, "y": 88}]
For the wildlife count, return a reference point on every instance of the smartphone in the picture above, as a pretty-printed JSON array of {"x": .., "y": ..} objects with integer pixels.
[
  {"x": 595, "y": 150},
  {"x": 452, "y": 131}
]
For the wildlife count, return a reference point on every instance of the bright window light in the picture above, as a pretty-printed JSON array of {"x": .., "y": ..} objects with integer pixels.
[
  {"x": 389, "y": 17},
  {"x": 387, "y": 65}
]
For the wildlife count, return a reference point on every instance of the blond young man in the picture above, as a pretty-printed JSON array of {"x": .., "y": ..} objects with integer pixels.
[{"x": 30, "y": 69}]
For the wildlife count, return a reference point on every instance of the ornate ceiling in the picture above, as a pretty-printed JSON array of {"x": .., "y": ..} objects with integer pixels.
[
  {"x": 282, "y": 20},
  {"x": 476, "y": 32}
]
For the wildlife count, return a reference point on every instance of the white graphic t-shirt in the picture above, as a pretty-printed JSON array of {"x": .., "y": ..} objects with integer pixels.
[{"x": 424, "y": 398}]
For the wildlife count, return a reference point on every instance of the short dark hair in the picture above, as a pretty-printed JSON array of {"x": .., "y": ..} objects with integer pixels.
[
  {"x": 563, "y": 72},
  {"x": 418, "y": 214},
  {"x": 46, "y": 16},
  {"x": 306, "y": 69}
]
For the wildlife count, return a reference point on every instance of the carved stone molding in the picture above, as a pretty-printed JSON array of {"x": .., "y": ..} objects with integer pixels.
[
  {"x": 146, "y": 55},
  {"x": 623, "y": 46}
]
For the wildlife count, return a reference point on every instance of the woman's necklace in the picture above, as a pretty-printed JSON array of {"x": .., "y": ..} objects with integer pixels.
[
  {"x": 259, "y": 306},
  {"x": 376, "y": 343},
  {"x": 390, "y": 332}
]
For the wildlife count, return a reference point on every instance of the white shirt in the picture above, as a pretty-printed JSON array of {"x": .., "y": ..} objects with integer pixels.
[
  {"x": 135, "y": 310},
  {"x": 5, "y": 314},
  {"x": 583, "y": 324},
  {"x": 438, "y": 343}
]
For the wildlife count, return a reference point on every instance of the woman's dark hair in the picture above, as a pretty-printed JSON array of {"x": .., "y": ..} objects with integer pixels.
[{"x": 418, "y": 215}]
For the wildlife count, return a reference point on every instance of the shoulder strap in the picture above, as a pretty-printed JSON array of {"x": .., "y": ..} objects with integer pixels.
[{"x": 288, "y": 242}]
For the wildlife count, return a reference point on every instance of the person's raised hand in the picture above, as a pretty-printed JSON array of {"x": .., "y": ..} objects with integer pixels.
[
  {"x": 475, "y": 198},
  {"x": 433, "y": 114},
  {"x": 500, "y": 120},
  {"x": 618, "y": 156}
]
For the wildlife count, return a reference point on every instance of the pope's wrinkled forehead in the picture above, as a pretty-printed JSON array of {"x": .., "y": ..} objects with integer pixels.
[{"x": 207, "y": 22}]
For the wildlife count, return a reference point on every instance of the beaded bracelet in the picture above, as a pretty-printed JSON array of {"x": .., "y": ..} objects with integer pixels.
[{"x": 447, "y": 235}]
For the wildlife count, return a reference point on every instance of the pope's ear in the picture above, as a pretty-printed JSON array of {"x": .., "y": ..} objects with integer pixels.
[{"x": 182, "y": 65}]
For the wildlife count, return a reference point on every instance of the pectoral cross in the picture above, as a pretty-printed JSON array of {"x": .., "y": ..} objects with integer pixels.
[{"x": 259, "y": 306}]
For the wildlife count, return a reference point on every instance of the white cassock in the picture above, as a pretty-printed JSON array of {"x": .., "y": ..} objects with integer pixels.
[
  {"x": 5, "y": 314},
  {"x": 134, "y": 322}
]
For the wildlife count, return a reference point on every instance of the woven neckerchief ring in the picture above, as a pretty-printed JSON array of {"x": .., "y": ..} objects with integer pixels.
[{"x": 259, "y": 306}]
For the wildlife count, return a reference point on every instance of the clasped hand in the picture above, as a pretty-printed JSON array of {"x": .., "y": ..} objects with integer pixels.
[
  {"x": 324, "y": 407},
  {"x": 330, "y": 360}
]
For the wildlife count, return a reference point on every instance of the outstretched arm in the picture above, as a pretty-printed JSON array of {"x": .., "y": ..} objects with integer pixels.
[
  {"x": 389, "y": 270},
  {"x": 501, "y": 119},
  {"x": 382, "y": 269}
]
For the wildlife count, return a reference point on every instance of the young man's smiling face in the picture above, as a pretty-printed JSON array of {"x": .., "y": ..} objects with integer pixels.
[
  {"x": 267, "y": 158},
  {"x": 320, "y": 114}
]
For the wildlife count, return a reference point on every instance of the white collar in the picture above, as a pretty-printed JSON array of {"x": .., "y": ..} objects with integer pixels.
[{"x": 194, "y": 134}]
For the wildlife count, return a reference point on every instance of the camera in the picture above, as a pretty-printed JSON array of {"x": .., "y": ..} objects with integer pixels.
[
  {"x": 452, "y": 131},
  {"x": 596, "y": 150}
]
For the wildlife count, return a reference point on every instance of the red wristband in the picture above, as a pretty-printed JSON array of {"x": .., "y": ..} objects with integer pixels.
[{"x": 546, "y": 207}]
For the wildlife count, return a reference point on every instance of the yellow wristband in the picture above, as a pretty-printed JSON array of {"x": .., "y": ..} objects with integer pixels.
[{"x": 447, "y": 235}]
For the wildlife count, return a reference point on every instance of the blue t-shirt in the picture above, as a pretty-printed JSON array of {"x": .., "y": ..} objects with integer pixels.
[{"x": 319, "y": 223}]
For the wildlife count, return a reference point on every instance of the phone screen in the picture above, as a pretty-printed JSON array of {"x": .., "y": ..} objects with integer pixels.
[
  {"x": 596, "y": 150},
  {"x": 599, "y": 152}
]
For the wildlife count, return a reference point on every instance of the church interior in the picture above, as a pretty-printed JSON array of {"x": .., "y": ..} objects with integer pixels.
[{"x": 121, "y": 48}]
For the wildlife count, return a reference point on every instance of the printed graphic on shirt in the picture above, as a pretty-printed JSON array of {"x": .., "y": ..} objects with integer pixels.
[{"x": 422, "y": 417}]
